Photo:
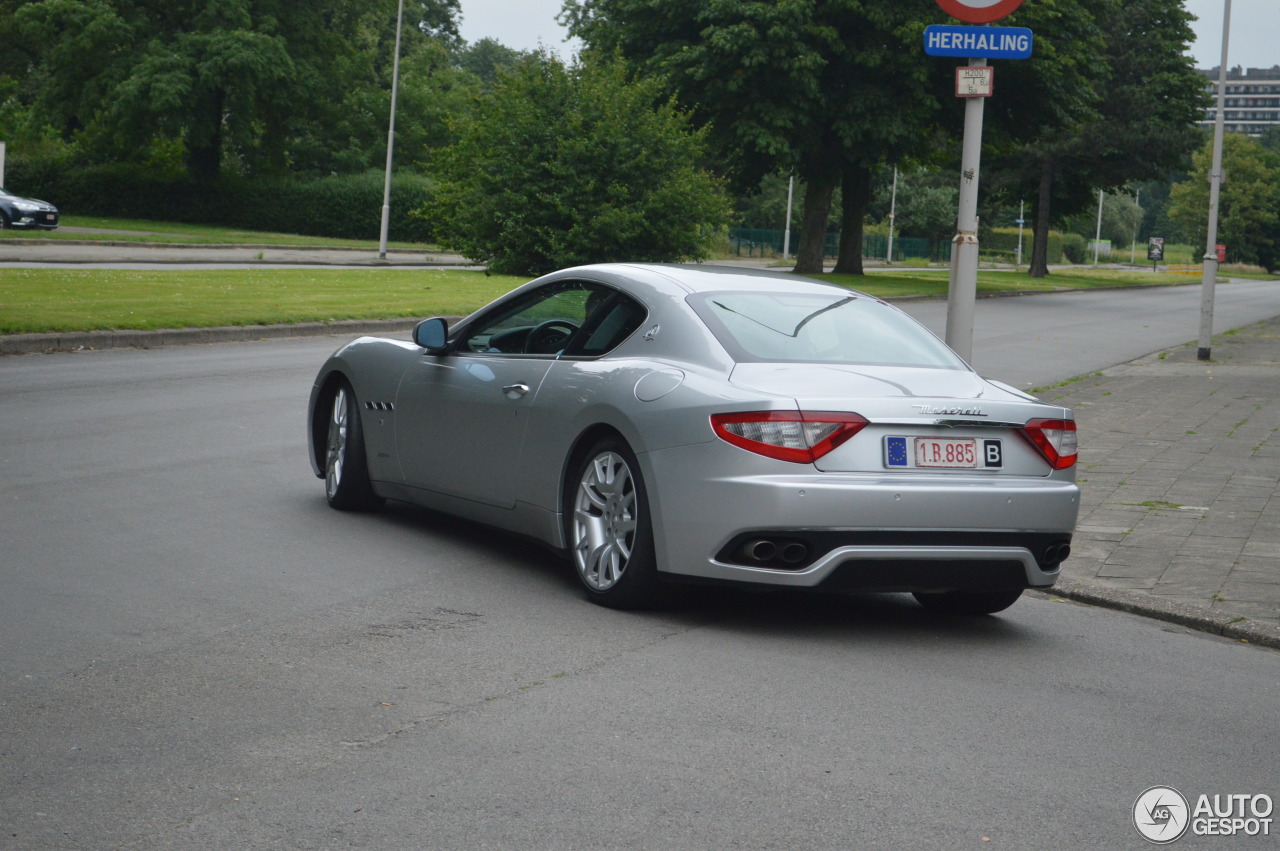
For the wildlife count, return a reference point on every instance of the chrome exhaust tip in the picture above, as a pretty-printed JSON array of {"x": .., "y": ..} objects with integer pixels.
[{"x": 760, "y": 550}]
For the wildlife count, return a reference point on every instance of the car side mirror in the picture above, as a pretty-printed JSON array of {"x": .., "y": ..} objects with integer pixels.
[{"x": 432, "y": 335}]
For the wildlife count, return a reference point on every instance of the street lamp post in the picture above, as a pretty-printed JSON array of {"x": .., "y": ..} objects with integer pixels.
[
  {"x": 1133, "y": 247},
  {"x": 391, "y": 138},
  {"x": 1097, "y": 238},
  {"x": 786, "y": 234},
  {"x": 893, "y": 213},
  {"x": 1210, "y": 278}
]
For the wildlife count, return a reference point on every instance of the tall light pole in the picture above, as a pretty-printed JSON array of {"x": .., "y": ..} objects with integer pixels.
[
  {"x": 1022, "y": 218},
  {"x": 391, "y": 138},
  {"x": 1097, "y": 239},
  {"x": 786, "y": 233},
  {"x": 893, "y": 213},
  {"x": 1133, "y": 247},
  {"x": 1210, "y": 278}
]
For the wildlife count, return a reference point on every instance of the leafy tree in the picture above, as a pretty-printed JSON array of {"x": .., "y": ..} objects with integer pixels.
[
  {"x": 486, "y": 59},
  {"x": 1120, "y": 218},
  {"x": 1249, "y": 202},
  {"x": 560, "y": 166},
  {"x": 1126, "y": 97},
  {"x": 828, "y": 89},
  {"x": 1270, "y": 139},
  {"x": 926, "y": 203},
  {"x": 234, "y": 81}
]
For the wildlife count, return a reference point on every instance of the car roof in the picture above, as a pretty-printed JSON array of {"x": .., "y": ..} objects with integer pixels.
[{"x": 679, "y": 279}]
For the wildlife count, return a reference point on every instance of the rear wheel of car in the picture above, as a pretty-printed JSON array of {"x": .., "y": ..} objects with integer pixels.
[
  {"x": 346, "y": 468},
  {"x": 968, "y": 602},
  {"x": 610, "y": 532}
]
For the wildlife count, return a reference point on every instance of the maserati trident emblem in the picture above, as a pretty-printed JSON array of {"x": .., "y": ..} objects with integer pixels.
[{"x": 935, "y": 411}]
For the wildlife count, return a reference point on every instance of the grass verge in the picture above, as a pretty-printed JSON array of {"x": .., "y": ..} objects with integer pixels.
[{"x": 61, "y": 300}]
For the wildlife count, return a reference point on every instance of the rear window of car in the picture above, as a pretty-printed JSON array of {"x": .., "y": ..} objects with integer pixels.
[{"x": 819, "y": 328}]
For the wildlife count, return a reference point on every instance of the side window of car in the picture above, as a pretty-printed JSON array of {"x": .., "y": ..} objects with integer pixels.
[
  {"x": 615, "y": 320},
  {"x": 541, "y": 323}
]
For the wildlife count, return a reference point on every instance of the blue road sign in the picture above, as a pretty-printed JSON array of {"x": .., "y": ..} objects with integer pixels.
[{"x": 978, "y": 42}]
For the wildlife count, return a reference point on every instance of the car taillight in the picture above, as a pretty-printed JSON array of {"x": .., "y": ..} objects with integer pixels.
[
  {"x": 798, "y": 436},
  {"x": 1056, "y": 440}
]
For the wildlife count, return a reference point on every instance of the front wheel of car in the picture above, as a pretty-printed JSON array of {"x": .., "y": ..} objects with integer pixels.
[
  {"x": 968, "y": 602},
  {"x": 346, "y": 468},
  {"x": 610, "y": 531}
]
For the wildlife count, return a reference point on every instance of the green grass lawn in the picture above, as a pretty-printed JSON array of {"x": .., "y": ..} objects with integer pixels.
[
  {"x": 61, "y": 300},
  {"x": 47, "y": 300}
]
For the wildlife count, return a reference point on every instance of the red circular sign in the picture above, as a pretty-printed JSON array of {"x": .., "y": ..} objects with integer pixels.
[{"x": 979, "y": 11}]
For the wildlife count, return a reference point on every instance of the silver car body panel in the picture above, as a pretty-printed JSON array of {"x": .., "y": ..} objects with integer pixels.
[{"x": 490, "y": 437}]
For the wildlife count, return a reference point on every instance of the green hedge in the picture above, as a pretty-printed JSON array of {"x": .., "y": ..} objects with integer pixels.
[
  {"x": 1004, "y": 241},
  {"x": 345, "y": 206}
]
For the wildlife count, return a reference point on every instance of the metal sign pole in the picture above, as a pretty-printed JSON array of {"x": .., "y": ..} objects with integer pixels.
[
  {"x": 963, "y": 289},
  {"x": 893, "y": 209},
  {"x": 1210, "y": 278},
  {"x": 786, "y": 233},
  {"x": 391, "y": 139},
  {"x": 1022, "y": 217}
]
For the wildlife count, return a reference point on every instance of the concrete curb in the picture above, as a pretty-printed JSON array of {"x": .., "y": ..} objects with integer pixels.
[{"x": 1139, "y": 603}]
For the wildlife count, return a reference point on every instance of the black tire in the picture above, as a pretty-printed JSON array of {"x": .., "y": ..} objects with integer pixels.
[
  {"x": 4, "y": 220},
  {"x": 346, "y": 466},
  {"x": 608, "y": 527},
  {"x": 968, "y": 602}
]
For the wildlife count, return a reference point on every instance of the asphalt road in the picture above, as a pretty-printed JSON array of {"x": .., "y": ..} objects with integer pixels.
[{"x": 198, "y": 653}]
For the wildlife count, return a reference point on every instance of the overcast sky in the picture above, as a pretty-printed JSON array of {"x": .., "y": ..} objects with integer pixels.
[{"x": 1255, "y": 25}]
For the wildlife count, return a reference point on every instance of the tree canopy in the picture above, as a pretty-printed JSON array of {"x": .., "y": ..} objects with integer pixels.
[
  {"x": 560, "y": 166},
  {"x": 818, "y": 88},
  {"x": 243, "y": 80},
  {"x": 1249, "y": 202},
  {"x": 1133, "y": 94}
]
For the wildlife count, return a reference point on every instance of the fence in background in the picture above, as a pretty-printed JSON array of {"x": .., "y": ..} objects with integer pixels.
[{"x": 759, "y": 242}]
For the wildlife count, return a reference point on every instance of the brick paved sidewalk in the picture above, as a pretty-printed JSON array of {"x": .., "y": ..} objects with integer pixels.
[{"x": 1179, "y": 466}]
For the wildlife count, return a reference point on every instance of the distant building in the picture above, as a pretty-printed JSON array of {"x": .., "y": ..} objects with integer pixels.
[{"x": 1252, "y": 101}]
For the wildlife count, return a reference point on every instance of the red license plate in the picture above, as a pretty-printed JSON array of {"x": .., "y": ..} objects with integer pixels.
[{"x": 952, "y": 452}]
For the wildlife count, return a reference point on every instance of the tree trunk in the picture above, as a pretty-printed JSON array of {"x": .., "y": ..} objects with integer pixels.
[
  {"x": 204, "y": 141},
  {"x": 1040, "y": 245},
  {"x": 856, "y": 196},
  {"x": 813, "y": 227}
]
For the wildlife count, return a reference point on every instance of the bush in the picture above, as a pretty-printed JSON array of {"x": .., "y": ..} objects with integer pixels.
[
  {"x": 344, "y": 206},
  {"x": 1075, "y": 248},
  {"x": 564, "y": 166},
  {"x": 1004, "y": 241}
]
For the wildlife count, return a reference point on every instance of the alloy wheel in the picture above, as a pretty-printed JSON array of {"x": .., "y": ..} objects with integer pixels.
[{"x": 605, "y": 520}]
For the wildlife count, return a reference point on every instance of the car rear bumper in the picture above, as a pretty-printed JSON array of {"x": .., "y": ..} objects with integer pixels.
[{"x": 864, "y": 531}]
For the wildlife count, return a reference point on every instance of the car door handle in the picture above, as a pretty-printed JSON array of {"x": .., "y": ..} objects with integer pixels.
[{"x": 515, "y": 391}]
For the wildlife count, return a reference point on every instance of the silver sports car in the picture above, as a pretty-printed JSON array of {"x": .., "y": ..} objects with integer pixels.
[{"x": 709, "y": 424}]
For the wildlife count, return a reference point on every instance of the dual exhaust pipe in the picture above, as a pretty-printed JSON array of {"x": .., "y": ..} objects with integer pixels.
[
  {"x": 1055, "y": 554},
  {"x": 764, "y": 551}
]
